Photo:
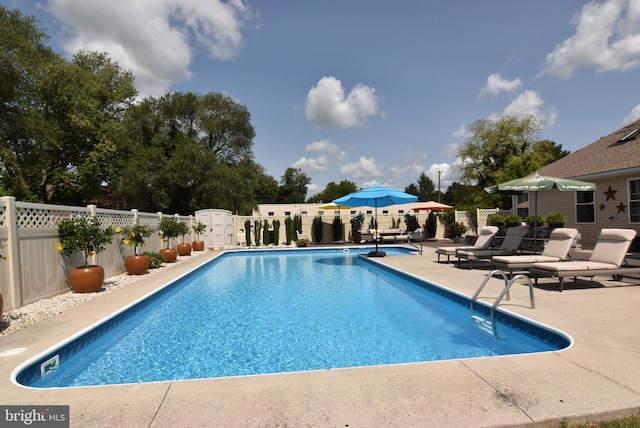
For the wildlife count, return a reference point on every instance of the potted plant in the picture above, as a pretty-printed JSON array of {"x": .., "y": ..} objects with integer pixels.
[
  {"x": 513, "y": 220},
  {"x": 499, "y": 221},
  {"x": 84, "y": 235},
  {"x": 456, "y": 230},
  {"x": 169, "y": 229},
  {"x": 134, "y": 236},
  {"x": 357, "y": 222},
  {"x": 556, "y": 219},
  {"x": 198, "y": 228},
  {"x": 184, "y": 249},
  {"x": 535, "y": 220}
]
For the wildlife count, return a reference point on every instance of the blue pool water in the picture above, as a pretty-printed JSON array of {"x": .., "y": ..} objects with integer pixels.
[{"x": 274, "y": 311}]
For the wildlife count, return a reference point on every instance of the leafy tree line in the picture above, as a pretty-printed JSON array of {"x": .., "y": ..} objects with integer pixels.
[{"x": 72, "y": 132}]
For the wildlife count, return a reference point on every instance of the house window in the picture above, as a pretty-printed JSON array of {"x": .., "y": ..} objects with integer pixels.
[
  {"x": 400, "y": 211},
  {"x": 634, "y": 201},
  {"x": 353, "y": 212},
  {"x": 369, "y": 212},
  {"x": 287, "y": 213},
  {"x": 384, "y": 212},
  {"x": 320, "y": 213},
  {"x": 271, "y": 214},
  {"x": 585, "y": 207},
  {"x": 303, "y": 213}
]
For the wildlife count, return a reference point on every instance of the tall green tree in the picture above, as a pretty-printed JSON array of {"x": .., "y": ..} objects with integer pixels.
[
  {"x": 24, "y": 57},
  {"x": 59, "y": 120},
  {"x": 424, "y": 188},
  {"x": 293, "y": 186},
  {"x": 195, "y": 150},
  {"x": 334, "y": 191},
  {"x": 500, "y": 150}
]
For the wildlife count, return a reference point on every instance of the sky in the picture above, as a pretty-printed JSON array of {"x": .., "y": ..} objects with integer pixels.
[{"x": 375, "y": 92}]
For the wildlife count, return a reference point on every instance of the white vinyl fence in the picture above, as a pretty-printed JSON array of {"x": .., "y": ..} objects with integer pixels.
[{"x": 34, "y": 269}]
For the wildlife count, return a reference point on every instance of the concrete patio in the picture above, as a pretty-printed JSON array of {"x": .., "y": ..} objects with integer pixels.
[{"x": 598, "y": 377}]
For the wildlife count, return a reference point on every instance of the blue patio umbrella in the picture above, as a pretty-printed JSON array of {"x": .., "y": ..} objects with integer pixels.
[{"x": 375, "y": 196}]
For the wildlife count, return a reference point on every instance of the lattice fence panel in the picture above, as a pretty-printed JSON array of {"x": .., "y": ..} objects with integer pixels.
[{"x": 31, "y": 217}]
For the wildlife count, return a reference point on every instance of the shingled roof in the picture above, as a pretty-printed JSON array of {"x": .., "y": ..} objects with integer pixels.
[{"x": 619, "y": 150}]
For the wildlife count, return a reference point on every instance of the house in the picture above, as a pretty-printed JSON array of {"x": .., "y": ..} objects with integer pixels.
[{"x": 613, "y": 164}]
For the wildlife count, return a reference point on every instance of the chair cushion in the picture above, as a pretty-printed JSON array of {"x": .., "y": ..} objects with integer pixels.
[
  {"x": 526, "y": 259},
  {"x": 560, "y": 243},
  {"x": 612, "y": 246},
  {"x": 574, "y": 266}
]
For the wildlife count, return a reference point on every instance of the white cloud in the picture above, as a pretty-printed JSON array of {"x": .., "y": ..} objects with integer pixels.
[
  {"x": 632, "y": 116},
  {"x": 328, "y": 106},
  {"x": 530, "y": 102},
  {"x": 329, "y": 155},
  {"x": 364, "y": 168},
  {"x": 447, "y": 175},
  {"x": 605, "y": 39},
  {"x": 154, "y": 39},
  {"x": 496, "y": 85},
  {"x": 460, "y": 132}
]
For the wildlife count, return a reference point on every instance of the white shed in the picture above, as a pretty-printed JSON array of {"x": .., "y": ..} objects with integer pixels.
[{"x": 219, "y": 231}]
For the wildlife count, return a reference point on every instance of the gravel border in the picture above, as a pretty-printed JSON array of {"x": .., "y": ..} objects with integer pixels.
[{"x": 17, "y": 319}]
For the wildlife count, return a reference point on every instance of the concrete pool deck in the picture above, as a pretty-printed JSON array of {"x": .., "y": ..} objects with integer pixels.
[{"x": 599, "y": 376}]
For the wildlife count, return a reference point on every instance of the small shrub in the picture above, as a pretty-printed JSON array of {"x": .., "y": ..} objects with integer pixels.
[
  {"x": 556, "y": 219},
  {"x": 456, "y": 229},
  {"x": 431, "y": 225},
  {"x": 513, "y": 220},
  {"x": 534, "y": 221},
  {"x": 155, "y": 259},
  {"x": 302, "y": 242},
  {"x": 412, "y": 222},
  {"x": 357, "y": 222},
  {"x": 497, "y": 220}
]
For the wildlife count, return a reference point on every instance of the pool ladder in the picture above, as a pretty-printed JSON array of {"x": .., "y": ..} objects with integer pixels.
[{"x": 507, "y": 284}]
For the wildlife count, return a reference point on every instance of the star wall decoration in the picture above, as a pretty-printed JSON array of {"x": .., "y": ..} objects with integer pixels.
[
  {"x": 621, "y": 208},
  {"x": 602, "y": 207},
  {"x": 611, "y": 194}
]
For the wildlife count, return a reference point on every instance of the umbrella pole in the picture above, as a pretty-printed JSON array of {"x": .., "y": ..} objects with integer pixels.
[
  {"x": 535, "y": 228},
  {"x": 376, "y": 253}
]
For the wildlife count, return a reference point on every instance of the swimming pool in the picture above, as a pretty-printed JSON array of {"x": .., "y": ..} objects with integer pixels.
[{"x": 262, "y": 312}]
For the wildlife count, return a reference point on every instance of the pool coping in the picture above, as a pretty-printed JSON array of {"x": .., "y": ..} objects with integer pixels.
[{"x": 596, "y": 376}]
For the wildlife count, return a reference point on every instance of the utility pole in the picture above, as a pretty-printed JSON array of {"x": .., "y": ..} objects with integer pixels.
[{"x": 439, "y": 172}]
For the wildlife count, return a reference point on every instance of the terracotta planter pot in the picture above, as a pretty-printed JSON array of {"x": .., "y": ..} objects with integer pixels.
[
  {"x": 86, "y": 280},
  {"x": 184, "y": 249},
  {"x": 136, "y": 265},
  {"x": 198, "y": 245},
  {"x": 170, "y": 255}
]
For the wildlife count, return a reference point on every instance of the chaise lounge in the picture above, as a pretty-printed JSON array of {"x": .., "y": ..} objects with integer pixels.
[
  {"x": 556, "y": 250},
  {"x": 607, "y": 258},
  {"x": 482, "y": 243},
  {"x": 509, "y": 247}
]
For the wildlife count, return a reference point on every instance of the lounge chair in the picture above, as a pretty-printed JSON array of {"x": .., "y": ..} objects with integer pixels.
[
  {"x": 607, "y": 258},
  {"x": 556, "y": 250},
  {"x": 509, "y": 247},
  {"x": 482, "y": 243},
  {"x": 300, "y": 235}
]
